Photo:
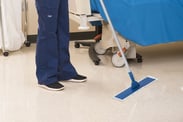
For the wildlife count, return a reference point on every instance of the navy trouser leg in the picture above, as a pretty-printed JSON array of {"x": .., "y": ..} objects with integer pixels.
[
  {"x": 52, "y": 56},
  {"x": 47, "y": 51},
  {"x": 66, "y": 69}
]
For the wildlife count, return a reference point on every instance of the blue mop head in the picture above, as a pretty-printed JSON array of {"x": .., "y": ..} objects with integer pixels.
[{"x": 135, "y": 86}]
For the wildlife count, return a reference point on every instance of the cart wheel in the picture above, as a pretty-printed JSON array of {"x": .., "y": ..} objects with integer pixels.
[
  {"x": 117, "y": 61},
  {"x": 27, "y": 44},
  {"x": 5, "y": 53},
  {"x": 98, "y": 49},
  {"x": 77, "y": 45},
  {"x": 96, "y": 62},
  {"x": 139, "y": 58}
]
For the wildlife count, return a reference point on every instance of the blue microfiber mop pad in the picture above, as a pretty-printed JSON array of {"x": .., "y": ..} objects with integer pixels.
[{"x": 131, "y": 90}]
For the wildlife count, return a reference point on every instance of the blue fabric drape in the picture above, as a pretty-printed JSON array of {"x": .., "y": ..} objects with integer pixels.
[{"x": 145, "y": 22}]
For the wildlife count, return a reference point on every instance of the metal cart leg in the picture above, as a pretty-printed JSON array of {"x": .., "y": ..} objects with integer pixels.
[
  {"x": 5, "y": 53},
  {"x": 25, "y": 29}
]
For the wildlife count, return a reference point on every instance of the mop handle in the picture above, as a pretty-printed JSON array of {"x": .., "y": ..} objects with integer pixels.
[
  {"x": 114, "y": 34},
  {"x": 1, "y": 25}
]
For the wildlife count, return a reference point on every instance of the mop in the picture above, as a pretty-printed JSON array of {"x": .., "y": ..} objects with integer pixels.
[{"x": 134, "y": 84}]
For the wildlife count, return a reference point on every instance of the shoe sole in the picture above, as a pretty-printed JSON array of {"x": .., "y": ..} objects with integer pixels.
[
  {"x": 50, "y": 89},
  {"x": 75, "y": 81}
]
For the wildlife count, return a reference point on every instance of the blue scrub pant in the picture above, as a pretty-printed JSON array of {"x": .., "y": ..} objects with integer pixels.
[{"x": 52, "y": 52}]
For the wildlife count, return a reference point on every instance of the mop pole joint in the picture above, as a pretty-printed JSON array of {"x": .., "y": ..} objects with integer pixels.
[{"x": 134, "y": 84}]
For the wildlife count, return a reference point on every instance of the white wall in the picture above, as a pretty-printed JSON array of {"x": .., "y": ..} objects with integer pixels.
[{"x": 32, "y": 18}]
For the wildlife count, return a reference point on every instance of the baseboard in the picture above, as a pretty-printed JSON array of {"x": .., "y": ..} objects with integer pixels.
[
  {"x": 32, "y": 38},
  {"x": 73, "y": 36}
]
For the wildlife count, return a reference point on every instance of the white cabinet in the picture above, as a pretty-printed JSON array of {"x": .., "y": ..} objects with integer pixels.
[{"x": 32, "y": 18}]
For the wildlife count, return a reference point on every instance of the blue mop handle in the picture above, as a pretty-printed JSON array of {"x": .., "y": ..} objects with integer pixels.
[
  {"x": 114, "y": 34},
  {"x": 134, "y": 84}
]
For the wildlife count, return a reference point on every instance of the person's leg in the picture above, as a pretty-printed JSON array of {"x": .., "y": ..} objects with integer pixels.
[
  {"x": 67, "y": 72},
  {"x": 66, "y": 69},
  {"x": 46, "y": 51}
]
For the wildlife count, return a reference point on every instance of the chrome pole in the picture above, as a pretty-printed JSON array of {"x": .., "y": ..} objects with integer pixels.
[{"x": 2, "y": 28}]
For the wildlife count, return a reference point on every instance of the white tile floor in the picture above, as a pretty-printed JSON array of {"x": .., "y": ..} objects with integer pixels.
[{"x": 161, "y": 101}]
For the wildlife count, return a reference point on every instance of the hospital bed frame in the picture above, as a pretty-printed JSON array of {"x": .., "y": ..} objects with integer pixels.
[
  {"x": 25, "y": 26},
  {"x": 80, "y": 12}
]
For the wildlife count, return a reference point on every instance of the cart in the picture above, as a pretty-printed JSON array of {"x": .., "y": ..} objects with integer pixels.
[{"x": 24, "y": 25}]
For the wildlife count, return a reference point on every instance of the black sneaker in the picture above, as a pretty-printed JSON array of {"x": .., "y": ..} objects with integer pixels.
[
  {"x": 53, "y": 87},
  {"x": 78, "y": 79}
]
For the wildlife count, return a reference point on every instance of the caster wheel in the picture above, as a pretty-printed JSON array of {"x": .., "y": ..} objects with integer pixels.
[
  {"x": 27, "y": 44},
  {"x": 117, "y": 61},
  {"x": 98, "y": 49},
  {"x": 96, "y": 62},
  {"x": 5, "y": 53},
  {"x": 77, "y": 45},
  {"x": 139, "y": 60}
]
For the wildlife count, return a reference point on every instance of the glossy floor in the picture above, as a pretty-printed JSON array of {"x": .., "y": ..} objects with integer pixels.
[{"x": 21, "y": 100}]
